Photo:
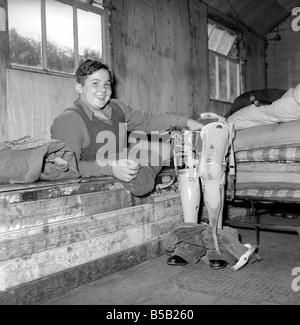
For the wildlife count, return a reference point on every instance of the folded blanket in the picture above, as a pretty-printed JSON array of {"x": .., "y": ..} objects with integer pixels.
[{"x": 28, "y": 160}]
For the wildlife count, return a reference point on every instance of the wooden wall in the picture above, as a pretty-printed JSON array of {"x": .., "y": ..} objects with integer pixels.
[
  {"x": 154, "y": 59},
  {"x": 283, "y": 57},
  {"x": 160, "y": 61},
  {"x": 255, "y": 65},
  {"x": 161, "y": 57},
  {"x": 4, "y": 62}
]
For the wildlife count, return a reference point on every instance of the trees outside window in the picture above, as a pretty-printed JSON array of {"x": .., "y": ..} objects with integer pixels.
[{"x": 55, "y": 35}]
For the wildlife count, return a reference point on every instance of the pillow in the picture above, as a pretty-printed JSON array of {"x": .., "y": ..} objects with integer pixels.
[
  {"x": 266, "y": 136},
  {"x": 285, "y": 109}
]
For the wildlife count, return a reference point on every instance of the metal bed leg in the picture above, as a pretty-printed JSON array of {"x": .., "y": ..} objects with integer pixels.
[{"x": 256, "y": 217}]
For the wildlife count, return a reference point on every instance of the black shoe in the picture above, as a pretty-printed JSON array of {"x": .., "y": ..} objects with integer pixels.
[
  {"x": 176, "y": 260},
  {"x": 218, "y": 264}
]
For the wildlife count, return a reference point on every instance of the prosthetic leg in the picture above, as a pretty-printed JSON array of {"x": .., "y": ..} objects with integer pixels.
[
  {"x": 206, "y": 159},
  {"x": 187, "y": 149},
  {"x": 216, "y": 139}
]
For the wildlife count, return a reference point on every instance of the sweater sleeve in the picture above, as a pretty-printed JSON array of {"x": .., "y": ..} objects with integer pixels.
[
  {"x": 147, "y": 122},
  {"x": 69, "y": 129}
]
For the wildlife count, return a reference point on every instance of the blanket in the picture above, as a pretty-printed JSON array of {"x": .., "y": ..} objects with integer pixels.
[
  {"x": 285, "y": 109},
  {"x": 28, "y": 160}
]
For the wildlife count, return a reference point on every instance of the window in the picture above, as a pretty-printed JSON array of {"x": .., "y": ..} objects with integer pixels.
[
  {"x": 55, "y": 35},
  {"x": 224, "y": 64}
]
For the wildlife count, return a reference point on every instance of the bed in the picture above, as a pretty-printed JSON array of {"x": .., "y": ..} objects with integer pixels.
[{"x": 267, "y": 156}]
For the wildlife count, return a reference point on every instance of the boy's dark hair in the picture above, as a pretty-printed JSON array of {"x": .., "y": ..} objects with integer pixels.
[{"x": 89, "y": 67}]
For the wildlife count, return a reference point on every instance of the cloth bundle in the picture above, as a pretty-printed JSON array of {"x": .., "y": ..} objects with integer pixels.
[
  {"x": 194, "y": 242},
  {"x": 28, "y": 160}
]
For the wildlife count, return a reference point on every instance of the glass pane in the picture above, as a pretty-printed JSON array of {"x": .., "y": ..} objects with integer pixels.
[
  {"x": 223, "y": 79},
  {"x": 25, "y": 32},
  {"x": 60, "y": 37},
  {"x": 212, "y": 76},
  {"x": 226, "y": 44},
  {"x": 89, "y": 35},
  {"x": 233, "y": 68},
  {"x": 215, "y": 39}
]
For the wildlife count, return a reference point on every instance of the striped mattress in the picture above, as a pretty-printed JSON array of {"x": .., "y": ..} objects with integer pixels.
[{"x": 269, "y": 174}]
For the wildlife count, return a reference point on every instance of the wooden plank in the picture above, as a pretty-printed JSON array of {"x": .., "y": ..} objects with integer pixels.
[
  {"x": 18, "y": 271},
  {"x": 289, "y": 5},
  {"x": 258, "y": 16},
  {"x": 4, "y": 63},
  {"x": 151, "y": 55},
  {"x": 18, "y": 193},
  {"x": 199, "y": 58},
  {"x": 34, "y": 240},
  {"x": 254, "y": 53},
  {"x": 283, "y": 63},
  {"x": 40, "y": 213},
  {"x": 54, "y": 285}
]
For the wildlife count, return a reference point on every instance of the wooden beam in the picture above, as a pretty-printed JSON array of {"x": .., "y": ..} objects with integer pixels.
[
  {"x": 4, "y": 64},
  {"x": 289, "y": 5}
]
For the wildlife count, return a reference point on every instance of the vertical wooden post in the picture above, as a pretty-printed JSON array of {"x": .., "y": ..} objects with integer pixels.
[
  {"x": 200, "y": 94},
  {"x": 4, "y": 64}
]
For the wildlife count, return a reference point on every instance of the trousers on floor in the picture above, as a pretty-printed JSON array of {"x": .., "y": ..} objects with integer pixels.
[{"x": 193, "y": 242}]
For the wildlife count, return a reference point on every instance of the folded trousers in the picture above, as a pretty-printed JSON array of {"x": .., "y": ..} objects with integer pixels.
[{"x": 193, "y": 242}]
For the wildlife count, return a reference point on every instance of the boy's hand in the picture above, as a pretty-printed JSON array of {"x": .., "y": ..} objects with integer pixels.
[{"x": 125, "y": 170}]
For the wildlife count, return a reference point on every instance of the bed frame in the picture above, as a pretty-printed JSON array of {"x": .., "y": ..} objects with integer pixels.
[{"x": 251, "y": 219}]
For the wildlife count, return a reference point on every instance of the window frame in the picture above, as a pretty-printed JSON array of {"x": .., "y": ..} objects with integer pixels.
[
  {"x": 75, "y": 4},
  {"x": 228, "y": 59}
]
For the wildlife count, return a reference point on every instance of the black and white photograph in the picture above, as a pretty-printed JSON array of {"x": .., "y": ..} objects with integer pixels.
[{"x": 149, "y": 155}]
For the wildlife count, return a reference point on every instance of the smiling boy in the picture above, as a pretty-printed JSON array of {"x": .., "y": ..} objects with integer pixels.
[{"x": 98, "y": 122}]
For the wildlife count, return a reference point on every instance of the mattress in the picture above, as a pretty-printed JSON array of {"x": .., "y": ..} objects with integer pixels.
[
  {"x": 283, "y": 195},
  {"x": 268, "y": 174}
]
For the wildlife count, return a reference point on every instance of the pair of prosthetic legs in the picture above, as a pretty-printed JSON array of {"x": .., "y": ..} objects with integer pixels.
[{"x": 207, "y": 161}]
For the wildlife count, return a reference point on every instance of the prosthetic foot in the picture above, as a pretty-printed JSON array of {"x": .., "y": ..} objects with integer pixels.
[{"x": 244, "y": 259}]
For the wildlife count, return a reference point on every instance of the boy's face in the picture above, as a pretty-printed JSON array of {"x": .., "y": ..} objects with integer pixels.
[{"x": 96, "y": 91}]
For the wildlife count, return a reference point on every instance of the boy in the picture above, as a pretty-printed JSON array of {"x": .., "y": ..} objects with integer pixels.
[{"x": 96, "y": 130}]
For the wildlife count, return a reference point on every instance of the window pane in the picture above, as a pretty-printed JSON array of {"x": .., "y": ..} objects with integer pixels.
[
  {"x": 60, "y": 37},
  {"x": 25, "y": 32},
  {"x": 89, "y": 35},
  {"x": 212, "y": 75},
  {"x": 233, "y": 81},
  {"x": 215, "y": 39},
  {"x": 226, "y": 44},
  {"x": 223, "y": 79}
]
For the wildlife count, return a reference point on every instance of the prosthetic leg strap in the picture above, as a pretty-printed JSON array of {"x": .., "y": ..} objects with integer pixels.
[
  {"x": 213, "y": 198},
  {"x": 232, "y": 176}
]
